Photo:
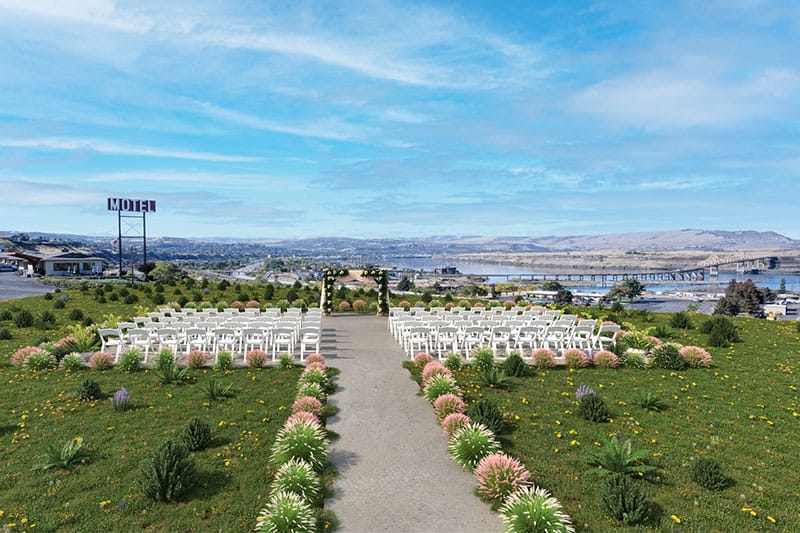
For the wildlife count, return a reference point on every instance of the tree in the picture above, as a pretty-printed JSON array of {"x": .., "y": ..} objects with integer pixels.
[
  {"x": 742, "y": 297},
  {"x": 630, "y": 288},
  {"x": 551, "y": 286},
  {"x": 563, "y": 296},
  {"x": 475, "y": 290},
  {"x": 427, "y": 297},
  {"x": 165, "y": 271},
  {"x": 782, "y": 288},
  {"x": 405, "y": 284}
]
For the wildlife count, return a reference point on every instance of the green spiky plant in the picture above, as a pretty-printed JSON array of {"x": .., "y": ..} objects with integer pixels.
[{"x": 617, "y": 457}]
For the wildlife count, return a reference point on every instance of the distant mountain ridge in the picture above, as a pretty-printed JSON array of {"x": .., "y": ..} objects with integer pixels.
[{"x": 650, "y": 241}]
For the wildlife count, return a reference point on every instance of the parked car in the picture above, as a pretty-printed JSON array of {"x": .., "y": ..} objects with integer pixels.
[{"x": 5, "y": 267}]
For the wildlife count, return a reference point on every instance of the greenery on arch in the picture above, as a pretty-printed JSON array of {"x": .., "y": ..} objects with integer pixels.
[{"x": 381, "y": 277}]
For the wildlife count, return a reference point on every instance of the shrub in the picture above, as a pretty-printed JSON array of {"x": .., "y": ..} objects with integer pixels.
[
  {"x": 515, "y": 366},
  {"x": 667, "y": 356},
  {"x": 311, "y": 389},
  {"x": 71, "y": 362},
  {"x": 167, "y": 473},
  {"x": 315, "y": 358},
  {"x": 499, "y": 476},
  {"x": 486, "y": 412},
  {"x": 359, "y": 306},
  {"x": 46, "y": 320},
  {"x": 439, "y": 385},
  {"x": 447, "y": 404},
  {"x": 101, "y": 361},
  {"x": 681, "y": 320},
  {"x": 624, "y": 500},
  {"x": 165, "y": 359},
  {"x": 236, "y": 304},
  {"x": 286, "y": 361},
  {"x": 543, "y": 358},
  {"x": 252, "y": 304},
  {"x": 344, "y": 306},
  {"x": 304, "y": 441},
  {"x": 41, "y": 360},
  {"x": 593, "y": 408},
  {"x": 72, "y": 452},
  {"x": 298, "y": 477},
  {"x": 634, "y": 359},
  {"x": 121, "y": 401},
  {"x": 453, "y": 422},
  {"x": 575, "y": 358},
  {"x": 707, "y": 473},
  {"x": 196, "y": 359},
  {"x": 303, "y": 416},
  {"x": 89, "y": 390},
  {"x": 6, "y": 315},
  {"x": 5, "y": 334},
  {"x": 286, "y": 512},
  {"x": 583, "y": 390},
  {"x": 170, "y": 372},
  {"x": 720, "y": 330},
  {"x": 472, "y": 443},
  {"x": 19, "y": 357},
  {"x": 483, "y": 359},
  {"x": 617, "y": 457},
  {"x": 215, "y": 390},
  {"x": 434, "y": 368},
  {"x": 422, "y": 359},
  {"x": 196, "y": 435},
  {"x": 453, "y": 362},
  {"x": 695, "y": 357},
  {"x": 650, "y": 401},
  {"x": 307, "y": 403},
  {"x": 605, "y": 359},
  {"x": 534, "y": 510},
  {"x": 493, "y": 378},
  {"x": 224, "y": 361},
  {"x": 256, "y": 358},
  {"x": 23, "y": 319},
  {"x": 130, "y": 360}
]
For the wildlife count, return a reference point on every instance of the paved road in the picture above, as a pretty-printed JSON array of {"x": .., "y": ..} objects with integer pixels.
[
  {"x": 14, "y": 286},
  {"x": 392, "y": 455}
]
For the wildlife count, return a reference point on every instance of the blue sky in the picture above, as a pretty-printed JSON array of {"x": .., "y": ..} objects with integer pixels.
[{"x": 383, "y": 119}]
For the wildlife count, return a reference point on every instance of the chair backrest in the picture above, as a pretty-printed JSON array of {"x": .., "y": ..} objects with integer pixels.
[
  {"x": 167, "y": 333},
  {"x": 106, "y": 333},
  {"x": 139, "y": 334}
]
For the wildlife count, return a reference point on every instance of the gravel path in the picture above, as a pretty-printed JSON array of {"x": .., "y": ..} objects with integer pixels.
[{"x": 395, "y": 474}]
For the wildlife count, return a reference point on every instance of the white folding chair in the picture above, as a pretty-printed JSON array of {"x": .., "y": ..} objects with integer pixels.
[
  {"x": 111, "y": 338},
  {"x": 309, "y": 338},
  {"x": 139, "y": 338},
  {"x": 282, "y": 338}
]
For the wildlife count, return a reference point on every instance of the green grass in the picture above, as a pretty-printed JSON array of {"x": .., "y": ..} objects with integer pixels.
[
  {"x": 744, "y": 412},
  {"x": 103, "y": 494},
  {"x": 39, "y": 409}
]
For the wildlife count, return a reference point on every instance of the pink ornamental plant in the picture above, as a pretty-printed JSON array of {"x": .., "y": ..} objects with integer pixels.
[
  {"x": 434, "y": 368},
  {"x": 316, "y": 364},
  {"x": 359, "y": 306},
  {"x": 256, "y": 358},
  {"x": 543, "y": 358},
  {"x": 344, "y": 306},
  {"x": 422, "y": 359},
  {"x": 453, "y": 422},
  {"x": 303, "y": 417},
  {"x": 236, "y": 304},
  {"x": 309, "y": 404},
  {"x": 695, "y": 357},
  {"x": 101, "y": 361},
  {"x": 576, "y": 358},
  {"x": 315, "y": 358},
  {"x": 508, "y": 304},
  {"x": 405, "y": 304},
  {"x": 19, "y": 357},
  {"x": 447, "y": 404},
  {"x": 253, "y": 304},
  {"x": 500, "y": 475},
  {"x": 605, "y": 359},
  {"x": 196, "y": 359}
]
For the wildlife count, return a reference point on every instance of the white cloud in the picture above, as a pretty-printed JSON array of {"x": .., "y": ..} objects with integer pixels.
[
  {"x": 30, "y": 193},
  {"x": 104, "y": 147}
]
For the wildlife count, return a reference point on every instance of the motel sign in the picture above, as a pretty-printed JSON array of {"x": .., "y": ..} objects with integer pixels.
[{"x": 131, "y": 206}]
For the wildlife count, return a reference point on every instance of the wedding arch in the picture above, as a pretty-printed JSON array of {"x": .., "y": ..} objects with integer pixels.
[{"x": 330, "y": 275}]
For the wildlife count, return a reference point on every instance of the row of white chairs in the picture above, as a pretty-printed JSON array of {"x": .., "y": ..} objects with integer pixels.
[
  {"x": 443, "y": 333},
  {"x": 239, "y": 336}
]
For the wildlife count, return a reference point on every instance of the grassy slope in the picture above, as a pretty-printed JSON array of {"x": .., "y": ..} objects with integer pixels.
[{"x": 742, "y": 412}]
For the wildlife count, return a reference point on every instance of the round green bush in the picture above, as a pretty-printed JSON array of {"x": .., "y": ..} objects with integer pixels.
[
  {"x": 224, "y": 361},
  {"x": 286, "y": 512},
  {"x": 439, "y": 385},
  {"x": 483, "y": 359},
  {"x": 707, "y": 473},
  {"x": 667, "y": 356},
  {"x": 593, "y": 408},
  {"x": 472, "y": 443},
  {"x": 196, "y": 435},
  {"x": 485, "y": 411},
  {"x": 624, "y": 500},
  {"x": 453, "y": 361},
  {"x": 131, "y": 360},
  {"x": 534, "y": 510},
  {"x": 75, "y": 314},
  {"x": 167, "y": 473},
  {"x": 515, "y": 366},
  {"x": 42, "y": 360},
  {"x": 304, "y": 441},
  {"x": 71, "y": 363},
  {"x": 23, "y": 319},
  {"x": 299, "y": 477},
  {"x": 5, "y": 334},
  {"x": 89, "y": 390}
]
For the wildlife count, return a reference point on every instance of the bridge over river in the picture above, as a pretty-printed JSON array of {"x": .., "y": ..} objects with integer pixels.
[{"x": 745, "y": 262}]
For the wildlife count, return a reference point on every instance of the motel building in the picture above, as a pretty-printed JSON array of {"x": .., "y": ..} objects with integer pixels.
[{"x": 61, "y": 264}]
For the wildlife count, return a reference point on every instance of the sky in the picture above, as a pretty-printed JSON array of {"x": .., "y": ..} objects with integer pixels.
[{"x": 291, "y": 119}]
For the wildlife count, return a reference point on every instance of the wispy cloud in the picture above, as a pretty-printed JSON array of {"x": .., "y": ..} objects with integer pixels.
[{"x": 105, "y": 147}]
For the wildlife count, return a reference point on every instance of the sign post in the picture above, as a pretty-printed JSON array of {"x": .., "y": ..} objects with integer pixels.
[{"x": 136, "y": 210}]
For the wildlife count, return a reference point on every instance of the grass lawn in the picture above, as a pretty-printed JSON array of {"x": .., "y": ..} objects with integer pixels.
[
  {"x": 743, "y": 412},
  {"x": 37, "y": 409}
]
